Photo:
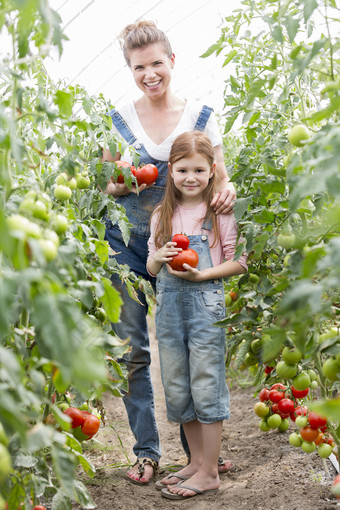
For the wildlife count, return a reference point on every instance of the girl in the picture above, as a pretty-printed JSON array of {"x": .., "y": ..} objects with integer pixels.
[
  {"x": 149, "y": 125},
  {"x": 191, "y": 348}
]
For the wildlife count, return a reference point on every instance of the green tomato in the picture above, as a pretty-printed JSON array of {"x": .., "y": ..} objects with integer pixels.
[
  {"x": 16, "y": 222},
  {"x": 324, "y": 450},
  {"x": 49, "y": 249},
  {"x": 40, "y": 210},
  {"x": 298, "y": 134},
  {"x": 284, "y": 425},
  {"x": 52, "y": 236},
  {"x": 308, "y": 447},
  {"x": 227, "y": 300},
  {"x": 263, "y": 425},
  {"x": 62, "y": 192},
  {"x": 61, "y": 179},
  {"x": 326, "y": 335},
  {"x": 286, "y": 371},
  {"x": 314, "y": 385},
  {"x": 250, "y": 359},
  {"x": 63, "y": 406},
  {"x": 261, "y": 410},
  {"x": 331, "y": 369},
  {"x": 256, "y": 345},
  {"x": 59, "y": 224},
  {"x": 286, "y": 241},
  {"x": 5, "y": 463},
  {"x": 301, "y": 381},
  {"x": 274, "y": 421},
  {"x": 312, "y": 374},
  {"x": 83, "y": 181},
  {"x": 291, "y": 356},
  {"x": 3, "y": 436},
  {"x": 301, "y": 421},
  {"x": 71, "y": 183},
  {"x": 295, "y": 439},
  {"x": 100, "y": 314},
  {"x": 254, "y": 278},
  {"x": 337, "y": 358}
]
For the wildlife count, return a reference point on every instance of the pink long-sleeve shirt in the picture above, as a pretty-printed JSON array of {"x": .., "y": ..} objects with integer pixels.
[{"x": 187, "y": 220}]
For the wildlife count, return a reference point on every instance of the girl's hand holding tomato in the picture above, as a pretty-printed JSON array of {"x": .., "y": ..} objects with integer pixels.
[
  {"x": 167, "y": 252},
  {"x": 188, "y": 273}
]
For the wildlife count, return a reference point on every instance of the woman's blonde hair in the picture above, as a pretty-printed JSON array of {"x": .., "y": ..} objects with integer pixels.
[
  {"x": 186, "y": 145},
  {"x": 142, "y": 34}
]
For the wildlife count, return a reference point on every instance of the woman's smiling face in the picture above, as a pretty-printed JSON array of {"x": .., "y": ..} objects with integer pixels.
[{"x": 151, "y": 69}]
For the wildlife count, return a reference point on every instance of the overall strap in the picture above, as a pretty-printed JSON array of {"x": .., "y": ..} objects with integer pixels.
[
  {"x": 207, "y": 224},
  {"x": 203, "y": 118},
  {"x": 122, "y": 127}
]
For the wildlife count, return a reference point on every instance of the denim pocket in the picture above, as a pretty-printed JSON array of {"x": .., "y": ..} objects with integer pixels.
[{"x": 213, "y": 303}]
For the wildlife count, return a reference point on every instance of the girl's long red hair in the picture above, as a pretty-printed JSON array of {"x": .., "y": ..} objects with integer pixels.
[{"x": 185, "y": 145}]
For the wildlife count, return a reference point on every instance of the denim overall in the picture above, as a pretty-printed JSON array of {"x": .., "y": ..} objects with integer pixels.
[
  {"x": 139, "y": 401},
  {"x": 191, "y": 349}
]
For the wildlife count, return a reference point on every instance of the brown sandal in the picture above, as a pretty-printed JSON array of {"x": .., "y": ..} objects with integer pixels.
[{"x": 142, "y": 462}]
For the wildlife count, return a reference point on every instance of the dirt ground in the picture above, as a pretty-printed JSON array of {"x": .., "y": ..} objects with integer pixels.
[{"x": 269, "y": 473}]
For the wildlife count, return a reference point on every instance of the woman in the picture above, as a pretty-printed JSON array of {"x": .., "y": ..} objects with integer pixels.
[{"x": 150, "y": 125}]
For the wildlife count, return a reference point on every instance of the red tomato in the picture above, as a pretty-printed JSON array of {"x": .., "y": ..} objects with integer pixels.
[
  {"x": 90, "y": 424},
  {"x": 276, "y": 396},
  {"x": 298, "y": 411},
  {"x": 123, "y": 164},
  {"x": 233, "y": 295},
  {"x": 299, "y": 393},
  {"x": 309, "y": 434},
  {"x": 188, "y": 256},
  {"x": 75, "y": 415},
  {"x": 264, "y": 395},
  {"x": 268, "y": 369},
  {"x": 146, "y": 174},
  {"x": 278, "y": 386},
  {"x": 39, "y": 507},
  {"x": 181, "y": 240},
  {"x": 319, "y": 439},
  {"x": 286, "y": 406},
  {"x": 316, "y": 421}
]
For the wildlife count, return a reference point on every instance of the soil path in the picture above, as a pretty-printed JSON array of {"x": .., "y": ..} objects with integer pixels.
[{"x": 269, "y": 473}]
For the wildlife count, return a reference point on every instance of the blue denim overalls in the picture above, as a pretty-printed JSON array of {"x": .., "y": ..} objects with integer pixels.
[
  {"x": 191, "y": 349},
  {"x": 139, "y": 401}
]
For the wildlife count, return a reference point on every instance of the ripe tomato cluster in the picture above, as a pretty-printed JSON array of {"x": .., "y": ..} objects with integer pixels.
[
  {"x": 187, "y": 256},
  {"x": 83, "y": 423},
  {"x": 146, "y": 174},
  {"x": 279, "y": 403}
]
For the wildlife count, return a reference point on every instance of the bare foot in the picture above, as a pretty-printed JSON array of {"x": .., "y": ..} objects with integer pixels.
[
  {"x": 199, "y": 481},
  {"x": 135, "y": 476},
  {"x": 224, "y": 465},
  {"x": 186, "y": 473}
]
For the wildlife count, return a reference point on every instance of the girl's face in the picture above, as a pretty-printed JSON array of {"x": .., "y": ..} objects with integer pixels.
[
  {"x": 151, "y": 69},
  {"x": 191, "y": 177}
]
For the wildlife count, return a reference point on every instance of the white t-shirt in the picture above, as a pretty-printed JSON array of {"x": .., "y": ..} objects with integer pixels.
[{"x": 161, "y": 151}]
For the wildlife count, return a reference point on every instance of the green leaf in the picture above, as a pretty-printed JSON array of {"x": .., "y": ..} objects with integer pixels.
[
  {"x": 102, "y": 250},
  {"x": 292, "y": 26},
  {"x": 328, "y": 408},
  {"x": 111, "y": 300},
  {"x": 308, "y": 8},
  {"x": 64, "y": 102},
  {"x": 277, "y": 34},
  {"x": 212, "y": 49},
  {"x": 229, "y": 57},
  {"x": 264, "y": 216},
  {"x": 86, "y": 464},
  {"x": 60, "y": 501},
  {"x": 64, "y": 467},
  {"x": 241, "y": 206},
  {"x": 82, "y": 495}
]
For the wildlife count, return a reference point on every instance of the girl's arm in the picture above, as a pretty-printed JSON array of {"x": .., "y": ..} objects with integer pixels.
[
  {"x": 223, "y": 200},
  {"x": 227, "y": 268},
  {"x": 161, "y": 256}
]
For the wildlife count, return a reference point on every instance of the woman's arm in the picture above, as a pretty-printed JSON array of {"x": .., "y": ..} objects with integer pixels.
[{"x": 224, "y": 199}]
